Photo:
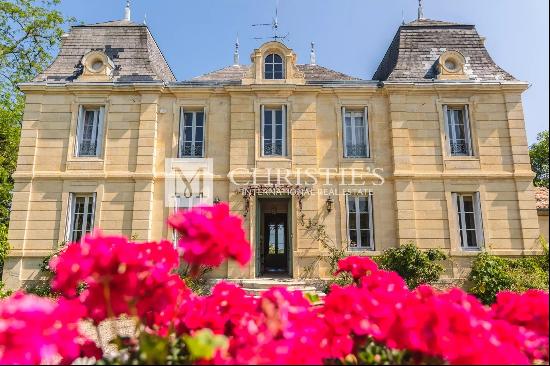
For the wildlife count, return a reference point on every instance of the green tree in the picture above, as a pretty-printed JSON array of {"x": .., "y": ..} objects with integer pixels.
[
  {"x": 539, "y": 159},
  {"x": 30, "y": 31}
]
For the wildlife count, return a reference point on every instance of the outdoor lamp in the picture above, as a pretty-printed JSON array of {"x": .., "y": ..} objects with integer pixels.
[{"x": 330, "y": 202}]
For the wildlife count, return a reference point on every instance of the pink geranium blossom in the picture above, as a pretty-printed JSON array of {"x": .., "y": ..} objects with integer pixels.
[
  {"x": 35, "y": 330},
  {"x": 357, "y": 266},
  {"x": 210, "y": 235},
  {"x": 120, "y": 276}
]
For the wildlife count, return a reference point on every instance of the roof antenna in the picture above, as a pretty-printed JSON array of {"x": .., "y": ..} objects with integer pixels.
[
  {"x": 402, "y": 16},
  {"x": 274, "y": 26},
  {"x": 236, "y": 53},
  {"x": 312, "y": 57},
  {"x": 145, "y": 19},
  {"x": 127, "y": 11},
  {"x": 420, "y": 10}
]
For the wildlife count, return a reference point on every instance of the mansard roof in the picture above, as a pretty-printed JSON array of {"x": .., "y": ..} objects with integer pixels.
[
  {"x": 312, "y": 73},
  {"x": 131, "y": 47},
  {"x": 415, "y": 50}
]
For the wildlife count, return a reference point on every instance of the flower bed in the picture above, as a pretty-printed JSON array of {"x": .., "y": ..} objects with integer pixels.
[{"x": 375, "y": 320}]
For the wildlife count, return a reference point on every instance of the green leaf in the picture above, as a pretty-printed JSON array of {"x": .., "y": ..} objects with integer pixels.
[
  {"x": 204, "y": 344},
  {"x": 312, "y": 297}
]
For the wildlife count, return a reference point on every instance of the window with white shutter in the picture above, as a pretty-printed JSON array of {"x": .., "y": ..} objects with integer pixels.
[
  {"x": 81, "y": 216},
  {"x": 457, "y": 129},
  {"x": 360, "y": 221},
  {"x": 192, "y": 132},
  {"x": 89, "y": 131},
  {"x": 273, "y": 131},
  {"x": 470, "y": 224},
  {"x": 356, "y": 133}
]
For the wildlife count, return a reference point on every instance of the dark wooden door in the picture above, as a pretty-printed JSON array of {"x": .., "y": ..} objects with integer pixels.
[{"x": 275, "y": 244}]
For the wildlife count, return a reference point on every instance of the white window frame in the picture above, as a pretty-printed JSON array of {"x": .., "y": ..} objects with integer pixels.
[
  {"x": 449, "y": 132},
  {"x": 100, "y": 118},
  {"x": 353, "y": 134},
  {"x": 193, "y": 132},
  {"x": 458, "y": 202},
  {"x": 283, "y": 109},
  {"x": 370, "y": 200},
  {"x": 272, "y": 64},
  {"x": 71, "y": 212}
]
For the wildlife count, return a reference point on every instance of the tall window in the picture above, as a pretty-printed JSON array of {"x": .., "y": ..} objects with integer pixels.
[
  {"x": 89, "y": 131},
  {"x": 457, "y": 127},
  {"x": 274, "y": 131},
  {"x": 360, "y": 222},
  {"x": 191, "y": 134},
  {"x": 273, "y": 67},
  {"x": 356, "y": 133},
  {"x": 81, "y": 216},
  {"x": 470, "y": 224}
]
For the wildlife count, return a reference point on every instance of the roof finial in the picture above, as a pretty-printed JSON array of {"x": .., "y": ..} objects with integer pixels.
[
  {"x": 420, "y": 10},
  {"x": 402, "y": 16},
  {"x": 145, "y": 19},
  {"x": 236, "y": 53},
  {"x": 312, "y": 57},
  {"x": 127, "y": 12}
]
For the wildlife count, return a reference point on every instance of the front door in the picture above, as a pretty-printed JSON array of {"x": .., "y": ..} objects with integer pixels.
[{"x": 275, "y": 244}]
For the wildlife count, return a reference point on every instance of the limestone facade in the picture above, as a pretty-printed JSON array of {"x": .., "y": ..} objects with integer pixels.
[{"x": 141, "y": 114}]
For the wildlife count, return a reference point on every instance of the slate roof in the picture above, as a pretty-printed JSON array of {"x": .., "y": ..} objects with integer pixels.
[
  {"x": 541, "y": 195},
  {"x": 130, "y": 46},
  {"x": 312, "y": 73},
  {"x": 417, "y": 46}
]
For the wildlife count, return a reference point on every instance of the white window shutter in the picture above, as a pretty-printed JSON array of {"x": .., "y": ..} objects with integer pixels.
[
  {"x": 371, "y": 220},
  {"x": 284, "y": 116},
  {"x": 467, "y": 130},
  {"x": 456, "y": 209},
  {"x": 446, "y": 122},
  {"x": 479, "y": 220},
  {"x": 94, "y": 195},
  {"x": 344, "y": 134},
  {"x": 204, "y": 134},
  {"x": 181, "y": 134},
  {"x": 69, "y": 219},
  {"x": 79, "y": 130},
  {"x": 262, "y": 130},
  {"x": 100, "y": 129},
  {"x": 367, "y": 140}
]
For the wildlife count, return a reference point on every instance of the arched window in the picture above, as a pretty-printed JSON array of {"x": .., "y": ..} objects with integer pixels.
[{"x": 273, "y": 67}]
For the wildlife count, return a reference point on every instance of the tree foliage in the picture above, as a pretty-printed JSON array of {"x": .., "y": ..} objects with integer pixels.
[
  {"x": 539, "y": 159},
  {"x": 29, "y": 32}
]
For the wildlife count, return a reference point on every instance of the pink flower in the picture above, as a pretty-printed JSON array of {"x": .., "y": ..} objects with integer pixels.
[
  {"x": 210, "y": 235},
  {"x": 357, "y": 266},
  {"x": 35, "y": 330},
  {"x": 120, "y": 276}
]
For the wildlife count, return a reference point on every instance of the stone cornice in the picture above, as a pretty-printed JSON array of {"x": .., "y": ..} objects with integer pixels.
[{"x": 434, "y": 86}]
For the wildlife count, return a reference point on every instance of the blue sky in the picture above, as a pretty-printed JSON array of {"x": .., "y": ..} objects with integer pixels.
[{"x": 351, "y": 36}]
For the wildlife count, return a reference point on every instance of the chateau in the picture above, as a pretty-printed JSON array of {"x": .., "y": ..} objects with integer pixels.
[{"x": 437, "y": 136}]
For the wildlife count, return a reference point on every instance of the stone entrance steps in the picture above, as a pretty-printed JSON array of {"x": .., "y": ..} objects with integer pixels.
[{"x": 257, "y": 286}]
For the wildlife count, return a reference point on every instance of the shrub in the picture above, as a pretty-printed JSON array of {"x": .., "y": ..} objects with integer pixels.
[
  {"x": 41, "y": 286},
  {"x": 414, "y": 265},
  {"x": 491, "y": 274},
  {"x": 4, "y": 293}
]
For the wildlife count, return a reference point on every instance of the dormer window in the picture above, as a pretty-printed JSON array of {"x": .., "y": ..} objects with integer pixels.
[{"x": 273, "y": 67}]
